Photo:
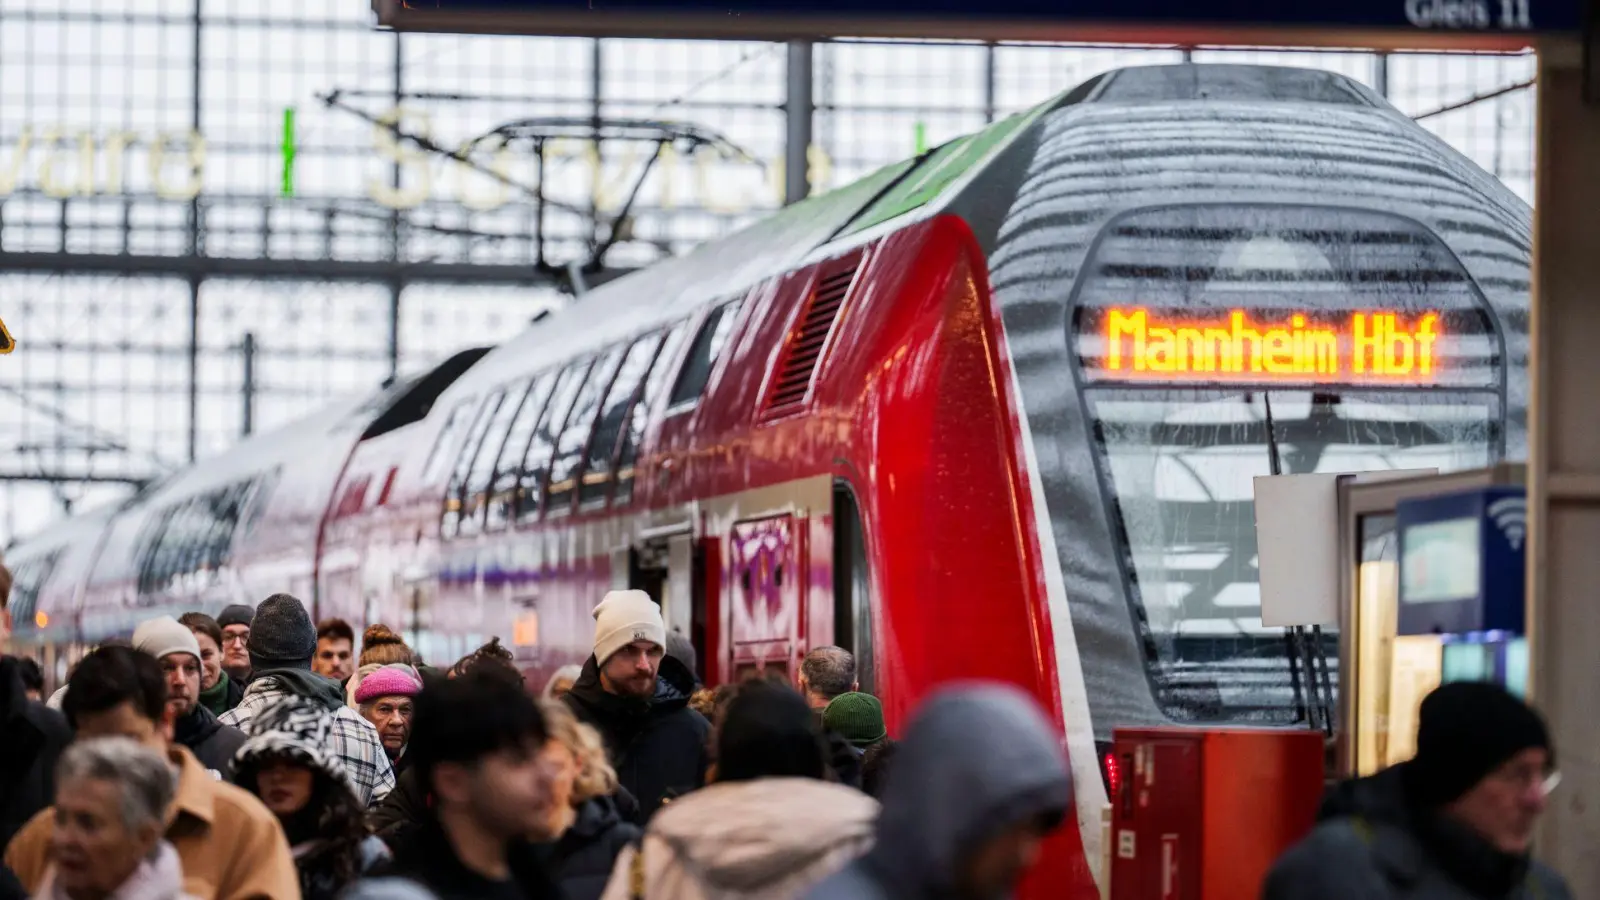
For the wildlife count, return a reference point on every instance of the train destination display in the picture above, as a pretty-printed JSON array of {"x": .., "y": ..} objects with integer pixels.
[{"x": 1135, "y": 342}]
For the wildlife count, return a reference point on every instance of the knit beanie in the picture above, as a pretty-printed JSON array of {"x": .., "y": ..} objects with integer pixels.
[
  {"x": 393, "y": 680},
  {"x": 857, "y": 717},
  {"x": 164, "y": 636},
  {"x": 624, "y": 617},
  {"x": 1466, "y": 730},
  {"x": 281, "y": 635},
  {"x": 237, "y": 614}
]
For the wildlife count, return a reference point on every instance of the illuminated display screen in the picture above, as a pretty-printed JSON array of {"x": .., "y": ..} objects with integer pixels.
[{"x": 1135, "y": 342}]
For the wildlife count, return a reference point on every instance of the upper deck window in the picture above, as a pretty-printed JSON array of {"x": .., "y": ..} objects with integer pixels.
[{"x": 703, "y": 354}]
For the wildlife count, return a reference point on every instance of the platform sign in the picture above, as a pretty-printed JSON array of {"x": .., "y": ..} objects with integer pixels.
[
  {"x": 1462, "y": 562},
  {"x": 1422, "y": 24}
]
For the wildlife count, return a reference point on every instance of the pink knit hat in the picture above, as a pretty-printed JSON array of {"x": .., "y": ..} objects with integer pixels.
[{"x": 389, "y": 681}]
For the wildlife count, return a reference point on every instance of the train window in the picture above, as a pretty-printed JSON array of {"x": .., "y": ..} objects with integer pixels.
[
  {"x": 536, "y": 462},
  {"x": 444, "y": 448},
  {"x": 1217, "y": 344},
  {"x": 483, "y": 467},
  {"x": 696, "y": 371},
  {"x": 502, "y": 493},
  {"x": 449, "y": 524},
  {"x": 639, "y": 415},
  {"x": 566, "y": 462},
  {"x": 613, "y": 416},
  {"x": 184, "y": 546}
]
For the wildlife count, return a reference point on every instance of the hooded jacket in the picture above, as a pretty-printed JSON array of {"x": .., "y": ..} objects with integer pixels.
[
  {"x": 1372, "y": 842},
  {"x": 976, "y": 760},
  {"x": 658, "y": 746},
  {"x": 34, "y": 738},
  {"x": 211, "y": 742},
  {"x": 299, "y": 730},
  {"x": 586, "y": 853},
  {"x": 771, "y": 838},
  {"x": 354, "y": 739},
  {"x": 158, "y": 878}
]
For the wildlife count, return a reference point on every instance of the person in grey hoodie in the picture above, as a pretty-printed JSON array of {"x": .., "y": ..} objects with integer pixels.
[
  {"x": 978, "y": 782},
  {"x": 282, "y": 642}
]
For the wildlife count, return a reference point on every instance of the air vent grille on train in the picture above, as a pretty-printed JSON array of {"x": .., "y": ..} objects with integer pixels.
[{"x": 809, "y": 337}]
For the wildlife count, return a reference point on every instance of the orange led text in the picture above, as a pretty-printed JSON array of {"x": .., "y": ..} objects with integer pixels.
[{"x": 1370, "y": 344}]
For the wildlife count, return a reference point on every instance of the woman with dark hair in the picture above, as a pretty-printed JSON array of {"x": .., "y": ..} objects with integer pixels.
[
  {"x": 289, "y": 764},
  {"x": 769, "y": 824}
]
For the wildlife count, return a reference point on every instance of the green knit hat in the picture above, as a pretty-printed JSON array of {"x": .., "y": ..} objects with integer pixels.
[{"x": 857, "y": 717}]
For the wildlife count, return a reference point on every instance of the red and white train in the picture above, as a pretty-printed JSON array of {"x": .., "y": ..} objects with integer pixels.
[{"x": 988, "y": 413}]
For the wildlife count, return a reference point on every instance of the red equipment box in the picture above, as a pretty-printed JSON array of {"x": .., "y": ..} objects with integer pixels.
[{"x": 1201, "y": 814}]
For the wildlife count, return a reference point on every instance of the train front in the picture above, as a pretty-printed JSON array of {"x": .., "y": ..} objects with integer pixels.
[{"x": 1212, "y": 273}]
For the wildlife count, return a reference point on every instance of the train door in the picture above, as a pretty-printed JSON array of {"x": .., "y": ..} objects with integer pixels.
[
  {"x": 766, "y": 597},
  {"x": 852, "y": 585},
  {"x": 676, "y": 571}
]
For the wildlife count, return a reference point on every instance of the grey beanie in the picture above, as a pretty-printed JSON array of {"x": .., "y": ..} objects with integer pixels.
[{"x": 281, "y": 636}]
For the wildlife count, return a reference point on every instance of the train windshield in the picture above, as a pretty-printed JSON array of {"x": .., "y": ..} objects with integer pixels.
[{"x": 1216, "y": 344}]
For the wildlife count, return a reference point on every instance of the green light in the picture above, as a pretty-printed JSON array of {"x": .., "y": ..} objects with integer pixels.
[{"x": 288, "y": 151}]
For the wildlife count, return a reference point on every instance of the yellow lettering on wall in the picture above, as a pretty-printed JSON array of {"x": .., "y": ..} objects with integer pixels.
[
  {"x": 416, "y": 179},
  {"x": 194, "y": 178}
]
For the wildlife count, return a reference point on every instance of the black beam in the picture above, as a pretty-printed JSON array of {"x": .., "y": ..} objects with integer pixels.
[
  {"x": 60, "y": 477},
  {"x": 289, "y": 269}
]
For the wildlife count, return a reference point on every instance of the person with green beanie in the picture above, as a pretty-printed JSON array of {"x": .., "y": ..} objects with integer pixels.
[{"x": 857, "y": 717}]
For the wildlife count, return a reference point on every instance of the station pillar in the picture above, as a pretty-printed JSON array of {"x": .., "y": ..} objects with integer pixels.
[{"x": 1564, "y": 461}]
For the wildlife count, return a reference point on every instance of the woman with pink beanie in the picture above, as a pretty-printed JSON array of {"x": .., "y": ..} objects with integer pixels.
[{"x": 384, "y": 698}]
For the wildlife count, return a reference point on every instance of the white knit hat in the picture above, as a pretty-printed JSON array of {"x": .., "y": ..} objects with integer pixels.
[
  {"x": 624, "y": 617},
  {"x": 164, "y": 636}
]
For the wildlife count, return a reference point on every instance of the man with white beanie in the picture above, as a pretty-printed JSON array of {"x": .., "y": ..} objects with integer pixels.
[
  {"x": 193, "y": 725},
  {"x": 637, "y": 697}
]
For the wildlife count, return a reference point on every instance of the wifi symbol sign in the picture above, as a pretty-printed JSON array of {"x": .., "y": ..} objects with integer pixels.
[{"x": 1510, "y": 515}]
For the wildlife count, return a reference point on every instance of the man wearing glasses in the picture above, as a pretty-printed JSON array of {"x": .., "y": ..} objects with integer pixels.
[
  {"x": 1456, "y": 820},
  {"x": 235, "y": 623}
]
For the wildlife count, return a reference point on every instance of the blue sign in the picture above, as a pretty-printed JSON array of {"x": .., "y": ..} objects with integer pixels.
[
  {"x": 1460, "y": 20},
  {"x": 1462, "y": 562}
]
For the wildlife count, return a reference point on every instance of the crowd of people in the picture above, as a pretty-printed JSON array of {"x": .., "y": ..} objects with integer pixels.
[{"x": 258, "y": 755}]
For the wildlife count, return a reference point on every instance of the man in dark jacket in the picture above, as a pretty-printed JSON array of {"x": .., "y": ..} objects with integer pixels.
[
  {"x": 477, "y": 749},
  {"x": 1455, "y": 822},
  {"x": 637, "y": 697},
  {"x": 33, "y": 737},
  {"x": 194, "y": 726},
  {"x": 976, "y": 840}
]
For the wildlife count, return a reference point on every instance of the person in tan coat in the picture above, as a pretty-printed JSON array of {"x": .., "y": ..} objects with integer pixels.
[{"x": 230, "y": 846}]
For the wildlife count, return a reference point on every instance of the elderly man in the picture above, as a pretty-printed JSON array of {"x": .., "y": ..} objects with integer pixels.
[
  {"x": 385, "y": 699},
  {"x": 282, "y": 642},
  {"x": 825, "y": 673},
  {"x": 194, "y": 726},
  {"x": 231, "y": 847}
]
